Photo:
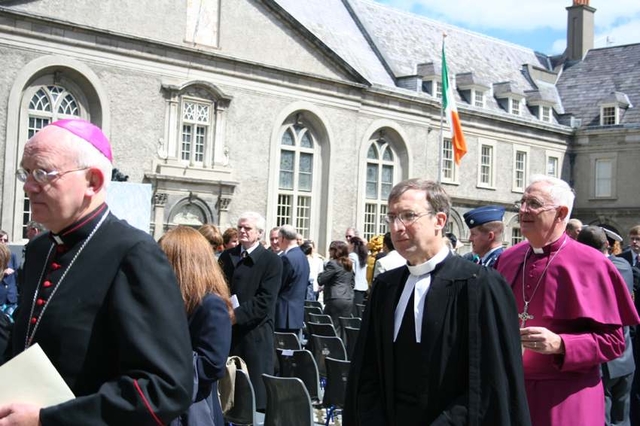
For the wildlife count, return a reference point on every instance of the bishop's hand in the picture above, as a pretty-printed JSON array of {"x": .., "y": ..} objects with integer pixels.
[
  {"x": 19, "y": 415},
  {"x": 541, "y": 340}
]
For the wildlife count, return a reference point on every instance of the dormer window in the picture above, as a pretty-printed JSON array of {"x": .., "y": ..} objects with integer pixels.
[
  {"x": 612, "y": 108},
  {"x": 514, "y": 106},
  {"x": 509, "y": 97},
  {"x": 545, "y": 113},
  {"x": 608, "y": 116},
  {"x": 542, "y": 101},
  {"x": 473, "y": 89},
  {"x": 478, "y": 98},
  {"x": 433, "y": 88},
  {"x": 431, "y": 79}
]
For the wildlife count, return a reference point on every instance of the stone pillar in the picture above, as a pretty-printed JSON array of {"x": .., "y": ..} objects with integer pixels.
[{"x": 159, "y": 202}]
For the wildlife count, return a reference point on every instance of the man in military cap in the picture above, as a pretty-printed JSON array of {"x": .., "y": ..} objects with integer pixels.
[{"x": 485, "y": 233}]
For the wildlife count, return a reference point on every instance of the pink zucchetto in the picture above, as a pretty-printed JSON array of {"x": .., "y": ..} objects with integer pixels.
[{"x": 87, "y": 131}]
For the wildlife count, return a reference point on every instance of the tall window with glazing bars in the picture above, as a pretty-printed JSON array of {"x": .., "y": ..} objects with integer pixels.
[
  {"x": 295, "y": 180},
  {"x": 380, "y": 179},
  {"x": 196, "y": 121},
  {"x": 48, "y": 104}
]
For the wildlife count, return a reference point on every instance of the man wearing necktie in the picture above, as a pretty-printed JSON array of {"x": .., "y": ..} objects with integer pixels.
[
  {"x": 439, "y": 342},
  {"x": 254, "y": 277}
]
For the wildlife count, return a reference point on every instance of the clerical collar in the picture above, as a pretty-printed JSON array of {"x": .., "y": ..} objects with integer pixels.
[
  {"x": 80, "y": 229},
  {"x": 429, "y": 265},
  {"x": 550, "y": 248}
]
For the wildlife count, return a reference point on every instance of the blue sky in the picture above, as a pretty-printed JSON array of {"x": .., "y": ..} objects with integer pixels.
[{"x": 537, "y": 24}]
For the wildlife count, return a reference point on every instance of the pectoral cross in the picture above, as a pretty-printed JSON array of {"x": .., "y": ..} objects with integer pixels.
[{"x": 525, "y": 316}]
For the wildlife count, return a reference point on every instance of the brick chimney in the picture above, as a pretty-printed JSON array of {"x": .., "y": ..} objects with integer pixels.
[{"x": 579, "y": 29}]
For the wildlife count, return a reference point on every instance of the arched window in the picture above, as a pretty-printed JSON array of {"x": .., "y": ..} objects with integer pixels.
[
  {"x": 295, "y": 178},
  {"x": 49, "y": 103},
  {"x": 381, "y": 170}
]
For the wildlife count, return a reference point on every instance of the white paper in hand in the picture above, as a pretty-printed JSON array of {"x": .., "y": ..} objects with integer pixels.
[
  {"x": 234, "y": 301},
  {"x": 31, "y": 378}
]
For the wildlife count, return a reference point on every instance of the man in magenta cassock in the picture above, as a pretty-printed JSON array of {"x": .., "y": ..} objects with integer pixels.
[{"x": 572, "y": 305}]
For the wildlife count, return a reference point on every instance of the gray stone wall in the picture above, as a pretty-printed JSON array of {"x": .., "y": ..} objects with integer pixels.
[{"x": 162, "y": 20}]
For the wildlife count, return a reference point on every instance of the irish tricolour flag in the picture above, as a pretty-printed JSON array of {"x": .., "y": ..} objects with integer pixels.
[{"x": 451, "y": 113}]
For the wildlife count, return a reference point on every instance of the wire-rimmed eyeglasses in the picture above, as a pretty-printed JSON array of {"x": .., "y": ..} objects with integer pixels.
[
  {"x": 533, "y": 205},
  {"x": 42, "y": 176},
  {"x": 406, "y": 218}
]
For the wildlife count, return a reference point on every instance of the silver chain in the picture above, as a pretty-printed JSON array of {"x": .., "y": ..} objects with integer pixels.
[
  {"x": 524, "y": 265},
  {"x": 29, "y": 336}
]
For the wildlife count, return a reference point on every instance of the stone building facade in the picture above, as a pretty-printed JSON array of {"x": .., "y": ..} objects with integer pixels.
[{"x": 307, "y": 111}]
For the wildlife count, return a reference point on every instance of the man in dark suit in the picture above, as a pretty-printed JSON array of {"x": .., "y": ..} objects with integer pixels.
[
  {"x": 617, "y": 375},
  {"x": 631, "y": 255},
  {"x": 632, "y": 252},
  {"x": 254, "y": 275},
  {"x": 439, "y": 342},
  {"x": 295, "y": 278}
]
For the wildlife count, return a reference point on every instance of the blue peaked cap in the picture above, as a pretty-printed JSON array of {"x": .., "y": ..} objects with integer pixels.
[{"x": 482, "y": 215}]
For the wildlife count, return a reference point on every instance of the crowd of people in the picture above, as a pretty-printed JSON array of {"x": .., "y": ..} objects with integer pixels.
[{"x": 541, "y": 333}]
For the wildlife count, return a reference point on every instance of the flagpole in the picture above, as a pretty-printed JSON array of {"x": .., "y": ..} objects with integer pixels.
[{"x": 441, "y": 137}]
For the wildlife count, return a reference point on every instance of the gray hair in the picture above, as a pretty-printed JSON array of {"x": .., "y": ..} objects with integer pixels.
[
  {"x": 36, "y": 225},
  {"x": 288, "y": 232},
  {"x": 256, "y": 218},
  {"x": 559, "y": 191}
]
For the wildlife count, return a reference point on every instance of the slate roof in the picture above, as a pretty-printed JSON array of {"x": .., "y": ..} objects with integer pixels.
[
  {"x": 386, "y": 45},
  {"x": 331, "y": 22},
  {"x": 405, "y": 40},
  {"x": 603, "y": 71}
]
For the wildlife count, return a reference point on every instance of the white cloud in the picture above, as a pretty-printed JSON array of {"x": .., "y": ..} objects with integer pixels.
[
  {"x": 558, "y": 46},
  {"x": 626, "y": 33},
  {"x": 620, "y": 19}
]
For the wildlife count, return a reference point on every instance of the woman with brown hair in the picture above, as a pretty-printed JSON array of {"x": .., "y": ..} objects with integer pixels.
[
  {"x": 206, "y": 299},
  {"x": 337, "y": 283},
  {"x": 214, "y": 236}
]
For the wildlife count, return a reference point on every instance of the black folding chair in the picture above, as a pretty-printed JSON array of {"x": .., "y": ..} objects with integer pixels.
[
  {"x": 353, "y": 322},
  {"x": 311, "y": 310},
  {"x": 320, "y": 319},
  {"x": 321, "y": 329},
  {"x": 286, "y": 341},
  {"x": 326, "y": 346},
  {"x": 315, "y": 303},
  {"x": 288, "y": 402},
  {"x": 244, "y": 406},
  {"x": 359, "y": 310},
  {"x": 301, "y": 364},
  {"x": 335, "y": 388},
  {"x": 352, "y": 338}
]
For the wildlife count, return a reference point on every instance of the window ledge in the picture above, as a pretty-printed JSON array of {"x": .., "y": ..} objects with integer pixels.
[{"x": 609, "y": 198}]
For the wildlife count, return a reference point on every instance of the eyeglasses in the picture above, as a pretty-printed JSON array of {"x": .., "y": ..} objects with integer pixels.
[
  {"x": 534, "y": 206},
  {"x": 634, "y": 238},
  {"x": 4, "y": 240},
  {"x": 43, "y": 177},
  {"x": 406, "y": 218}
]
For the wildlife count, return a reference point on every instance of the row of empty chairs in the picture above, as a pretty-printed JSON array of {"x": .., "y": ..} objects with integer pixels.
[
  {"x": 307, "y": 379},
  {"x": 331, "y": 372},
  {"x": 292, "y": 396}
]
